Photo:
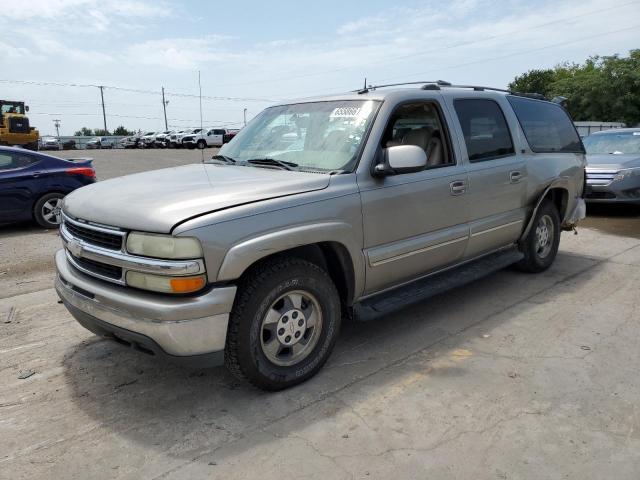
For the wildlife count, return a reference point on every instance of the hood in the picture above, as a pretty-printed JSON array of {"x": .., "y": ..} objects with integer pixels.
[
  {"x": 610, "y": 161},
  {"x": 156, "y": 201}
]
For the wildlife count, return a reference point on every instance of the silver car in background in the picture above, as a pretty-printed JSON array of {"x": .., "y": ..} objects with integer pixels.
[{"x": 613, "y": 166}]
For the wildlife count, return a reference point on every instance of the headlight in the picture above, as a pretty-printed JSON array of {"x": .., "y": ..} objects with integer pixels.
[
  {"x": 163, "y": 246},
  {"x": 160, "y": 283},
  {"x": 626, "y": 173}
]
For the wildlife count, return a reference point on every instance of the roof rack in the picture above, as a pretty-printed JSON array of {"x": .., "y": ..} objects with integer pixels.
[{"x": 437, "y": 84}]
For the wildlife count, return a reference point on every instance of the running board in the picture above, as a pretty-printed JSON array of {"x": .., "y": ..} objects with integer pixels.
[{"x": 427, "y": 287}]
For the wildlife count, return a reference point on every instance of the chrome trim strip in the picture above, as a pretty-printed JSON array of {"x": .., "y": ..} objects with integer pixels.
[
  {"x": 91, "y": 226},
  {"x": 489, "y": 230},
  {"x": 420, "y": 250},
  {"x": 132, "y": 262},
  {"x": 91, "y": 273}
]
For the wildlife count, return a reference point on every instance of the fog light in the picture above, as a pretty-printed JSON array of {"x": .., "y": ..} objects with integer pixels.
[{"x": 160, "y": 283}]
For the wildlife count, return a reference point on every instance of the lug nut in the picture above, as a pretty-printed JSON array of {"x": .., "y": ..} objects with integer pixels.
[
  {"x": 281, "y": 331},
  {"x": 285, "y": 319},
  {"x": 294, "y": 315},
  {"x": 300, "y": 323},
  {"x": 287, "y": 338},
  {"x": 297, "y": 334}
]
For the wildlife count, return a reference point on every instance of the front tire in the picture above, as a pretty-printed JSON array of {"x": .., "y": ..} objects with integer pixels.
[
  {"x": 540, "y": 247},
  {"x": 284, "y": 324},
  {"x": 202, "y": 144},
  {"x": 47, "y": 210}
]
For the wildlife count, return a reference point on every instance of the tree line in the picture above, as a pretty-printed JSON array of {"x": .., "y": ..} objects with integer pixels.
[
  {"x": 101, "y": 132},
  {"x": 603, "y": 88}
]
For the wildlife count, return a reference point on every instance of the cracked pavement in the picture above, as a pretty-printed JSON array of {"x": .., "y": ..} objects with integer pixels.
[{"x": 513, "y": 376}]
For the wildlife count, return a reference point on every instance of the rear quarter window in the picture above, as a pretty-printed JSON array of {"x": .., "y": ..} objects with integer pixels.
[{"x": 546, "y": 126}]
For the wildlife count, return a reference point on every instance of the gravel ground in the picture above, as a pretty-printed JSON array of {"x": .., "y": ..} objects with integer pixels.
[{"x": 514, "y": 376}]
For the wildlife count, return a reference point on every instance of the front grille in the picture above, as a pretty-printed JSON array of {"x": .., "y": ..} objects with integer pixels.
[
  {"x": 19, "y": 125},
  {"x": 600, "y": 177},
  {"x": 99, "y": 268},
  {"x": 95, "y": 237}
]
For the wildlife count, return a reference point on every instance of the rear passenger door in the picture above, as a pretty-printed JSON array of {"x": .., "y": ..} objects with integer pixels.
[
  {"x": 216, "y": 137},
  {"x": 18, "y": 184},
  {"x": 496, "y": 171}
]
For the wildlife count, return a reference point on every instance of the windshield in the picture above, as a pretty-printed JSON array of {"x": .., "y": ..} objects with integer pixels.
[
  {"x": 8, "y": 107},
  {"x": 324, "y": 136},
  {"x": 616, "y": 143}
]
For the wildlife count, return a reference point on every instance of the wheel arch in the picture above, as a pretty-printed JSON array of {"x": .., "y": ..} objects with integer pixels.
[
  {"x": 558, "y": 193},
  {"x": 331, "y": 249}
]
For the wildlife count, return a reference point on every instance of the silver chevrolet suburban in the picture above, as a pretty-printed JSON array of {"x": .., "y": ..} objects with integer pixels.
[{"x": 347, "y": 206}]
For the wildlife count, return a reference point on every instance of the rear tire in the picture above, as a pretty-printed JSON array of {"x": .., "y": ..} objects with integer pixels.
[
  {"x": 540, "y": 247},
  {"x": 284, "y": 324},
  {"x": 202, "y": 144},
  {"x": 47, "y": 210}
]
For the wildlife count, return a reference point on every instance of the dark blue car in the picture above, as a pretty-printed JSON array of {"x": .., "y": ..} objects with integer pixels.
[{"x": 33, "y": 184}]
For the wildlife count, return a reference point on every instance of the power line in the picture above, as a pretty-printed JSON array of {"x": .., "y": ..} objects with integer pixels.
[
  {"x": 396, "y": 59},
  {"x": 133, "y": 90},
  {"x": 342, "y": 89},
  {"x": 514, "y": 54}
]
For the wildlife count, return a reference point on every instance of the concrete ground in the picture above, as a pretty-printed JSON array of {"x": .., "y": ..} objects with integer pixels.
[{"x": 514, "y": 376}]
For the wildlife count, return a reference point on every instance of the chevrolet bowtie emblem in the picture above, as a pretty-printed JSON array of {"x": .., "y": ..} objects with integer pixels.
[{"x": 75, "y": 248}]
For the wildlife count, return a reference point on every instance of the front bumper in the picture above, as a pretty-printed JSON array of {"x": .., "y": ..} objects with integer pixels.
[{"x": 189, "y": 330}]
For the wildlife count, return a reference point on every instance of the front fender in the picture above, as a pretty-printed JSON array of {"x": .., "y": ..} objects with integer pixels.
[{"x": 244, "y": 254}]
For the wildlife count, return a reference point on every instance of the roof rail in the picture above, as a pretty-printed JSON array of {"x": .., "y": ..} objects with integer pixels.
[
  {"x": 439, "y": 83},
  {"x": 436, "y": 85}
]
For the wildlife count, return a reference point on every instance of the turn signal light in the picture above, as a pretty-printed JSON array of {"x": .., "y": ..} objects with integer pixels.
[{"x": 187, "y": 284}]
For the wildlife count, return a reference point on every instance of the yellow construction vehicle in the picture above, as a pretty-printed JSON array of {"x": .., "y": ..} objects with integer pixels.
[{"x": 14, "y": 125}]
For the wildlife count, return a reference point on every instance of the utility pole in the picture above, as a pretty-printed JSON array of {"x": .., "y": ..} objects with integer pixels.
[
  {"x": 104, "y": 115},
  {"x": 164, "y": 106},
  {"x": 56, "y": 122},
  {"x": 245, "y": 117}
]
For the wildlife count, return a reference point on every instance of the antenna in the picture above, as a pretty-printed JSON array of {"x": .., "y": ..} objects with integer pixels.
[{"x": 200, "y": 88}]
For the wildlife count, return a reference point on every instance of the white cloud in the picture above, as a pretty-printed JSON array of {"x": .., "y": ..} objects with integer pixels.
[{"x": 179, "y": 53}]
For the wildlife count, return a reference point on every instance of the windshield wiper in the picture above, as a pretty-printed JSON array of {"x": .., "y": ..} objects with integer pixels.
[
  {"x": 273, "y": 162},
  {"x": 224, "y": 159}
]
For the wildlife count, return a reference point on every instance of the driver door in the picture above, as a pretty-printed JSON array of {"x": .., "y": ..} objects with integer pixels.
[{"x": 415, "y": 223}]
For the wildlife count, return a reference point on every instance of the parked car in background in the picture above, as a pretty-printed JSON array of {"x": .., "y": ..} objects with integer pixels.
[
  {"x": 613, "y": 166},
  {"x": 160, "y": 140},
  {"x": 213, "y": 137},
  {"x": 49, "y": 143},
  {"x": 100, "y": 142},
  {"x": 129, "y": 142},
  {"x": 386, "y": 197},
  {"x": 180, "y": 136},
  {"x": 229, "y": 133},
  {"x": 33, "y": 184},
  {"x": 147, "y": 140},
  {"x": 69, "y": 145}
]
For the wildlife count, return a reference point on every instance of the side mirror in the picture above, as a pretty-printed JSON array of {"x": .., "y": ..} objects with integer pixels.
[
  {"x": 401, "y": 159},
  {"x": 26, "y": 108}
]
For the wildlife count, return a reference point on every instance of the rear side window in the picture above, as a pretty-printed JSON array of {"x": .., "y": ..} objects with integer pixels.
[
  {"x": 485, "y": 129},
  {"x": 11, "y": 161},
  {"x": 546, "y": 126}
]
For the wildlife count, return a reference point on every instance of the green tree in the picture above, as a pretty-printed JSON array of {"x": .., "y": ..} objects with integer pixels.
[
  {"x": 121, "y": 131},
  {"x": 101, "y": 132},
  {"x": 84, "y": 132},
  {"x": 602, "y": 88}
]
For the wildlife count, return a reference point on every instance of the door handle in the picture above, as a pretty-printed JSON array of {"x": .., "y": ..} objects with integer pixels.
[
  {"x": 458, "y": 187},
  {"x": 515, "y": 176}
]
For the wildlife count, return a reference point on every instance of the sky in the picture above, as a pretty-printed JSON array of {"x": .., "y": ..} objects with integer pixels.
[{"x": 251, "y": 54}]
